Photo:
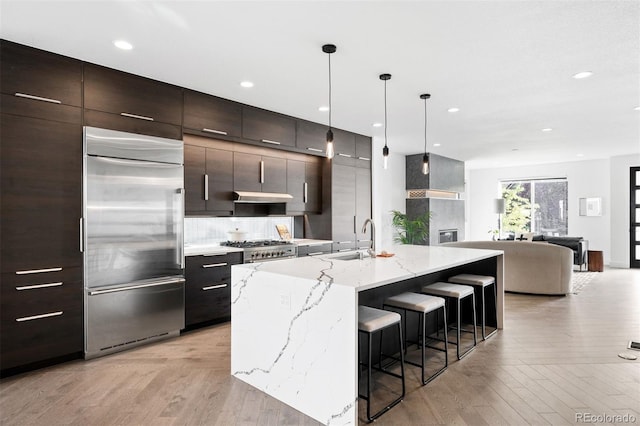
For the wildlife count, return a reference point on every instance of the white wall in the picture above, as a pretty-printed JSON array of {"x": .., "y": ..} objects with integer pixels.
[
  {"x": 388, "y": 194},
  {"x": 585, "y": 179},
  {"x": 620, "y": 208}
]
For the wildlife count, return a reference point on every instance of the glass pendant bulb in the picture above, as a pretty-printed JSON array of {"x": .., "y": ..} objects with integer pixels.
[
  {"x": 425, "y": 164},
  {"x": 385, "y": 156},
  {"x": 330, "y": 151}
]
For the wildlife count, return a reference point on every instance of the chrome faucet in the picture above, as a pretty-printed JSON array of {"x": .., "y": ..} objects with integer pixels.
[{"x": 372, "y": 247}]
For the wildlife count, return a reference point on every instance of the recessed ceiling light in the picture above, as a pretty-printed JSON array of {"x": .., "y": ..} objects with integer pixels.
[
  {"x": 637, "y": 108},
  {"x": 583, "y": 74},
  {"x": 436, "y": 144},
  {"x": 547, "y": 129},
  {"x": 246, "y": 84},
  {"x": 323, "y": 108},
  {"x": 377, "y": 124},
  {"x": 454, "y": 109},
  {"x": 580, "y": 155},
  {"x": 122, "y": 44}
]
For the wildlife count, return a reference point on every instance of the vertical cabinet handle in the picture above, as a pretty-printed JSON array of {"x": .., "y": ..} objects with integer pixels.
[
  {"x": 206, "y": 187},
  {"x": 81, "y": 236},
  {"x": 262, "y": 172},
  {"x": 304, "y": 196},
  {"x": 354, "y": 225}
]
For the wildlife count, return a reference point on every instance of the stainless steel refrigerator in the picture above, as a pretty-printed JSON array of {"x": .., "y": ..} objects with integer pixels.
[{"x": 133, "y": 211}]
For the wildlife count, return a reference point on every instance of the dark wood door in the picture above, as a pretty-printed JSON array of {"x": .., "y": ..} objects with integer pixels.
[
  {"x": 247, "y": 172},
  {"x": 296, "y": 178},
  {"x": 220, "y": 176},
  {"x": 343, "y": 206},
  {"x": 27, "y": 73},
  {"x": 313, "y": 179},
  {"x": 122, "y": 101},
  {"x": 41, "y": 166},
  {"x": 194, "y": 178},
  {"x": 275, "y": 175},
  {"x": 311, "y": 137},
  {"x": 268, "y": 127},
  {"x": 212, "y": 116}
]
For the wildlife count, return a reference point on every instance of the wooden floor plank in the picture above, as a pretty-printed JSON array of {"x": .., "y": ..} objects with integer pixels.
[{"x": 556, "y": 358}]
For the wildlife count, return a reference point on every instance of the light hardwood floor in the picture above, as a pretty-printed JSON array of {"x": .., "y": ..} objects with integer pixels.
[{"x": 556, "y": 358}]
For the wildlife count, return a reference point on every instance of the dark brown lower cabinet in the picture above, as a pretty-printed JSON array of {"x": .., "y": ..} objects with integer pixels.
[{"x": 208, "y": 288}]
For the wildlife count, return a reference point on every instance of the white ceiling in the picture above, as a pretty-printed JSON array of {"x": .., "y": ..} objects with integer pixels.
[{"x": 506, "y": 64}]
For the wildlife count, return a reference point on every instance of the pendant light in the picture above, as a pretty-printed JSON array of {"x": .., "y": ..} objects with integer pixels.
[
  {"x": 329, "y": 49},
  {"x": 385, "y": 149},
  {"x": 425, "y": 157}
]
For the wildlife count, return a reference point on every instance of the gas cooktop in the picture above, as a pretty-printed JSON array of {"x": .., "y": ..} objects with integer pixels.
[{"x": 255, "y": 243}]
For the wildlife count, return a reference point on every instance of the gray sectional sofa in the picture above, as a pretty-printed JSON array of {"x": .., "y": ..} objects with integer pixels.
[{"x": 531, "y": 267}]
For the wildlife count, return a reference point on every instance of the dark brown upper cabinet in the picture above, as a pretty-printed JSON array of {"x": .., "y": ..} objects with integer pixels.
[
  {"x": 344, "y": 144},
  {"x": 212, "y": 116},
  {"x": 312, "y": 137},
  {"x": 131, "y": 103},
  {"x": 208, "y": 181},
  {"x": 39, "y": 80},
  {"x": 304, "y": 183},
  {"x": 268, "y": 127},
  {"x": 258, "y": 173},
  {"x": 363, "y": 151}
]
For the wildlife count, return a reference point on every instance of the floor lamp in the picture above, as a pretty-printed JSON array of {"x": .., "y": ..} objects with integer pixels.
[{"x": 499, "y": 210}]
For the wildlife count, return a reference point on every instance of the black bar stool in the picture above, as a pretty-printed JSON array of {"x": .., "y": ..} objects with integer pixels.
[
  {"x": 372, "y": 320},
  {"x": 481, "y": 283},
  {"x": 456, "y": 292},
  {"x": 421, "y": 304}
]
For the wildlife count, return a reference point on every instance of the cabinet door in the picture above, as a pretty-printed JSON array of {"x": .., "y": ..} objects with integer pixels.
[
  {"x": 275, "y": 175},
  {"x": 131, "y": 96},
  {"x": 220, "y": 181},
  {"x": 345, "y": 147},
  {"x": 41, "y": 166},
  {"x": 211, "y": 116},
  {"x": 313, "y": 180},
  {"x": 247, "y": 172},
  {"x": 268, "y": 127},
  {"x": 363, "y": 206},
  {"x": 343, "y": 206},
  {"x": 296, "y": 178},
  {"x": 311, "y": 137},
  {"x": 27, "y": 73},
  {"x": 194, "y": 179},
  {"x": 363, "y": 151}
]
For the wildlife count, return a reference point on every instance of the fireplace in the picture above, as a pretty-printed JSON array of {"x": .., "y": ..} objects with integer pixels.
[{"x": 447, "y": 235}]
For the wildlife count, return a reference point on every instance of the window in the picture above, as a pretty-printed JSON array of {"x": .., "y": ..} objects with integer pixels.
[{"x": 535, "y": 205}]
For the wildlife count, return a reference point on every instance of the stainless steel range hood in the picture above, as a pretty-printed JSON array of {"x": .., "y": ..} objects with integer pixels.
[{"x": 260, "y": 197}]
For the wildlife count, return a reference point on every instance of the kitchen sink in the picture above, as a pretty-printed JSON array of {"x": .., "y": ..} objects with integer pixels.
[{"x": 357, "y": 255}]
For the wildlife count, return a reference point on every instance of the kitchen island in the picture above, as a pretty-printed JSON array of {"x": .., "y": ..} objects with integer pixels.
[{"x": 294, "y": 323}]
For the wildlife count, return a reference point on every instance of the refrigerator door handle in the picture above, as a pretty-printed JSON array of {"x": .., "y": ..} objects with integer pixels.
[
  {"x": 180, "y": 226},
  {"x": 133, "y": 287},
  {"x": 81, "y": 235}
]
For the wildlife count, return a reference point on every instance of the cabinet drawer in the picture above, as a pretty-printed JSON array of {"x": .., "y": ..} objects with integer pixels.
[
  {"x": 117, "y": 92},
  {"x": 207, "y": 303},
  {"x": 38, "y": 76},
  {"x": 212, "y": 116},
  {"x": 314, "y": 249},
  {"x": 339, "y": 246},
  {"x": 269, "y": 127},
  {"x": 204, "y": 270},
  {"x": 40, "y": 339}
]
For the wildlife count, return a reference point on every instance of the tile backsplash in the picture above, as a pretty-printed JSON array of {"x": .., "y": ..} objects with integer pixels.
[{"x": 211, "y": 230}]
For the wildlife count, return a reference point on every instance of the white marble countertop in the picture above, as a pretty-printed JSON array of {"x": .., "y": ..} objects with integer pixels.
[
  {"x": 408, "y": 261},
  {"x": 208, "y": 250}
]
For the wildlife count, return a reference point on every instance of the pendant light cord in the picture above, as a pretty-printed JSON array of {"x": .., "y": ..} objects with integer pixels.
[
  {"x": 329, "y": 91},
  {"x": 385, "y": 113},
  {"x": 425, "y": 125}
]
